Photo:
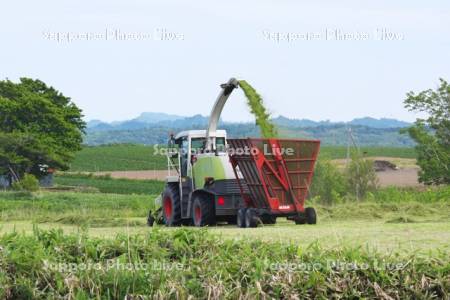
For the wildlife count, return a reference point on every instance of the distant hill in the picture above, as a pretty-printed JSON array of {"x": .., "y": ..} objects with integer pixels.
[
  {"x": 367, "y": 121},
  {"x": 379, "y": 123},
  {"x": 155, "y": 117},
  {"x": 142, "y": 121},
  {"x": 153, "y": 128},
  {"x": 150, "y": 119},
  {"x": 283, "y": 121}
]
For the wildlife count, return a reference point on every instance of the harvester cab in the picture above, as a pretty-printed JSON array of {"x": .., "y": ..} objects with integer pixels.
[{"x": 207, "y": 183}]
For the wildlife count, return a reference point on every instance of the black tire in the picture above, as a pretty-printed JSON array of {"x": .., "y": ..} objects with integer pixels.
[
  {"x": 150, "y": 219},
  {"x": 232, "y": 220},
  {"x": 251, "y": 218},
  {"x": 300, "y": 219},
  {"x": 311, "y": 217},
  {"x": 171, "y": 207},
  {"x": 269, "y": 220},
  {"x": 240, "y": 219},
  {"x": 203, "y": 212}
]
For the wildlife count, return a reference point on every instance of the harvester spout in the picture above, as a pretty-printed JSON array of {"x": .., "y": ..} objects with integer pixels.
[{"x": 227, "y": 89}]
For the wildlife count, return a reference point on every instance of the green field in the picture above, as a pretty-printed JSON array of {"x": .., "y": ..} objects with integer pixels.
[
  {"x": 335, "y": 152},
  {"x": 117, "y": 158},
  {"x": 66, "y": 207},
  {"x": 140, "y": 157},
  {"x": 106, "y": 184},
  {"x": 98, "y": 246}
]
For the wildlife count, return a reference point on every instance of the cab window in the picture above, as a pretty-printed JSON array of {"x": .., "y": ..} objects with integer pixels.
[{"x": 198, "y": 144}]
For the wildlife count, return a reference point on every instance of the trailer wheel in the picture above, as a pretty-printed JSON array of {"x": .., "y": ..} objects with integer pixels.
[
  {"x": 171, "y": 206},
  {"x": 240, "y": 221},
  {"x": 268, "y": 219},
  {"x": 203, "y": 212},
  {"x": 299, "y": 219},
  {"x": 251, "y": 218},
  {"x": 311, "y": 217},
  {"x": 232, "y": 220}
]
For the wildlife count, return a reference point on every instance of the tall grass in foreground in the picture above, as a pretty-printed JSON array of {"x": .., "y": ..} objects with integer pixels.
[{"x": 183, "y": 264}]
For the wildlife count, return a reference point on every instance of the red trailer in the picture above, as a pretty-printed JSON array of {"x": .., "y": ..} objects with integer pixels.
[{"x": 274, "y": 176}]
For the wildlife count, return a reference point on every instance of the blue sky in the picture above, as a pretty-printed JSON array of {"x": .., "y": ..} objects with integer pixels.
[{"x": 207, "y": 42}]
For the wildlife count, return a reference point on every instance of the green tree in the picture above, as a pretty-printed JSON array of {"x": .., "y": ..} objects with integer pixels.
[
  {"x": 38, "y": 126},
  {"x": 328, "y": 183},
  {"x": 360, "y": 176},
  {"x": 432, "y": 134}
]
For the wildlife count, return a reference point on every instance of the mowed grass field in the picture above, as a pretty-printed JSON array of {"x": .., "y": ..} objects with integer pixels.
[
  {"x": 410, "y": 220},
  {"x": 81, "y": 245},
  {"x": 140, "y": 157}
]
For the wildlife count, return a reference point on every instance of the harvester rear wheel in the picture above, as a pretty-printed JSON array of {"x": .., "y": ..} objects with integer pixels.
[
  {"x": 311, "y": 217},
  {"x": 251, "y": 218},
  {"x": 203, "y": 212},
  {"x": 240, "y": 221},
  {"x": 171, "y": 206}
]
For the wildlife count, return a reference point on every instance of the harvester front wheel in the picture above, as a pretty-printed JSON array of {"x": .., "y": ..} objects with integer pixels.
[
  {"x": 203, "y": 213},
  {"x": 311, "y": 217},
  {"x": 171, "y": 206}
]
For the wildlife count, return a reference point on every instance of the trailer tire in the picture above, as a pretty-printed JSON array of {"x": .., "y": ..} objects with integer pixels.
[
  {"x": 232, "y": 220},
  {"x": 251, "y": 218},
  {"x": 311, "y": 217},
  {"x": 171, "y": 207},
  {"x": 203, "y": 212},
  {"x": 300, "y": 219},
  {"x": 268, "y": 219},
  {"x": 240, "y": 220}
]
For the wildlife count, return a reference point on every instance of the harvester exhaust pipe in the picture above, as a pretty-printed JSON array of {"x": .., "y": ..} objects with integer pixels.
[{"x": 227, "y": 89}]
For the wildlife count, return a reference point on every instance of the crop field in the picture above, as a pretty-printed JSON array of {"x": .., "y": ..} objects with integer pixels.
[
  {"x": 94, "y": 245},
  {"x": 336, "y": 152},
  {"x": 106, "y": 184},
  {"x": 117, "y": 158},
  {"x": 140, "y": 157}
]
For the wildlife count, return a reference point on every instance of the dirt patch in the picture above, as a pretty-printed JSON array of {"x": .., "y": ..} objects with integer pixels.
[
  {"x": 407, "y": 177},
  {"x": 406, "y": 174}
]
